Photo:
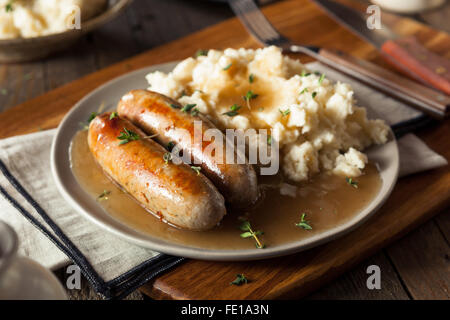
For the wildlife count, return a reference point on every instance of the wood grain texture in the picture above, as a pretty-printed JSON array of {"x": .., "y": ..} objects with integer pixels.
[
  {"x": 302, "y": 21},
  {"x": 352, "y": 285},
  {"x": 423, "y": 261}
]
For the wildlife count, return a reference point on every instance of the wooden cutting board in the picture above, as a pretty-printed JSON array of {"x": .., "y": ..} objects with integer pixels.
[{"x": 414, "y": 200}]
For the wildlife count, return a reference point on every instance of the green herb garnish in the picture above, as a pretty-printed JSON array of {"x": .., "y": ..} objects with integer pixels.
[
  {"x": 104, "y": 195},
  {"x": 127, "y": 136},
  {"x": 9, "y": 6},
  {"x": 305, "y": 74},
  {"x": 113, "y": 115},
  {"x": 249, "y": 96},
  {"x": 92, "y": 117},
  {"x": 195, "y": 112},
  {"x": 352, "y": 182},
  {"x": 240, "y": 279},
  {"x": 233, "y": 110},
  {"x": 269, "y": 140},
  {"x": 175, "y": 106},
  {"x": 322, "y": 76},
  {"x": 170, "y": 145},
  {"x": 285, "y": 112},
  {"x": 167, "y": 157},
  {"x": 227, "y": 67},
  {"x": 251, "y": 78},
  {"x": 188, "y": 107},
  {"x": 304, "y": 90},
  {"x": 201, "y": 52},
  {"x": 245, "y": 226},
  {"x": 196, "y": 169},
  {"x": 314, "y": 94},
  {"x": 303, "y": 223}
]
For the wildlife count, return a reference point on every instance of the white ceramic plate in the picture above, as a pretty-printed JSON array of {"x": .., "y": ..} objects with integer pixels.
[{"x": 386, "y": 156}]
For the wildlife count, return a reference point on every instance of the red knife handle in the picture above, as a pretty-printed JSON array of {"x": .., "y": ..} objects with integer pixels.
[{"x": 416, "y": 61}]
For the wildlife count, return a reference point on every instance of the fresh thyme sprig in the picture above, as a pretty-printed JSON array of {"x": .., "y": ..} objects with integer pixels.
[
  {"x": 352, "y": 182},
  {"x": 201, "y": 52},
  {"x": 249, "y": 96},
  {"x": 303, "y": 223},
  {"x": 92, "y": 117},
  {"x": 227, "y": 67},
  {"x": 195, "y": 112},
  {"x": 129, "y": 135},
  {"x": 322, "y": 76},
  {"x": 233, "y": 111},
  {"x": 196, "y": 169},
  {"x": 246, "y": 226},
  {"x": 240, "y": 279},
  {"x": 251, "y": 78},
  {"x": 188, "y": 107},
  {"x": 285, "y": 112},
  {"x": 104, "y": 195},
  {"x": 167, "y": 157},
  {"x": 170, "y": 146},
  {"x": 305, "y": 74},
  {"x": 113, "y": 115},
  {"x": 9, "y": 6}
]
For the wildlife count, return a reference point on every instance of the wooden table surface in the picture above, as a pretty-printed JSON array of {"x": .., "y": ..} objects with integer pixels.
[{"x": 415, "y": 267}]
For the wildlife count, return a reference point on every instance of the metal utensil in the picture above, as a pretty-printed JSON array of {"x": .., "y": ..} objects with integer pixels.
[
  {"x": 417, "y": 95},
  {"x": 405, "y": 53}
]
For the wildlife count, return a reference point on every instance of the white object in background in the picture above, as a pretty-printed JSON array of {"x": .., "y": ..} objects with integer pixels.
[
  {"x": 408, "y": 6},
  {"x": 21, "y": 278}
]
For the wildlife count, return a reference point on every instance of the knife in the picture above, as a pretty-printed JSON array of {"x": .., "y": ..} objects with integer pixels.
[{"x": 405, "y": 53}]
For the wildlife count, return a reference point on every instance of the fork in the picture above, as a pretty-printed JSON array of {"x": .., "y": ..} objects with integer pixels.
[{"x": 417, "y": 95}]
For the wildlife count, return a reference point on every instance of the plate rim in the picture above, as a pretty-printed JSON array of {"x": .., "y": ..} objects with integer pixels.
[{"x": 164, "y": 246}]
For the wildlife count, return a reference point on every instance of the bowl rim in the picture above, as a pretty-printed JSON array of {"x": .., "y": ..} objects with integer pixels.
[{"x": 110, "y": 13}]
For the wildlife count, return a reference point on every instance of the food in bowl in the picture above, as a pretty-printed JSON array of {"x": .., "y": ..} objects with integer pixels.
[{"x": 34, "y": 18}]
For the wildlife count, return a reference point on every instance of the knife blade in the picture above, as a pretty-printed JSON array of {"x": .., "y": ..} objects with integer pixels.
[{"x": 406, "y": 54}]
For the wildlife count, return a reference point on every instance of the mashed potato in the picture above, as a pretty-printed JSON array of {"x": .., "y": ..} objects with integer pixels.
[
  {"x": 33, "y": 18},
  {"x": 316, "y": 122}
]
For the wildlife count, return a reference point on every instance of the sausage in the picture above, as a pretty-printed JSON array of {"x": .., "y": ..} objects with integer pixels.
[
  {"x": 158, "y": 114},
  {"x": 174, "y": 192}
]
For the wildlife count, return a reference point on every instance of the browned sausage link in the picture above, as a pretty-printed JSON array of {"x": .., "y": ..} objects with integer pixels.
[
  {"x": 176, "y": 193},
  {"x": 155, "y": 113}
]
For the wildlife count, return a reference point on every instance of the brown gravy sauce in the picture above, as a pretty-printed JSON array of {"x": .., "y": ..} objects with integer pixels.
[{"x": 328, "y": 200}]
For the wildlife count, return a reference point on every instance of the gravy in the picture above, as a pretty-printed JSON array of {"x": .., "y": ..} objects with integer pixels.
[{"x": 328, "y": 200}]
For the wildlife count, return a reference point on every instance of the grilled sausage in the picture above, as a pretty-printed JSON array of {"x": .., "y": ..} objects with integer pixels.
[
  {"x": 176, "y": 193},
  {"x": 158, "y": 114}
]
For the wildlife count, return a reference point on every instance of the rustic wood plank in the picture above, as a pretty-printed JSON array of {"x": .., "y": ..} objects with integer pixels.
[
  {"x": 352, "y": 285},
  {"x": 64, "y": 68},
  {"x": 422, "y": 260},
  {"x": 20, "y": 82},
  {"x": 443, "y": 223},
  {"x": 115, "y": 41},
  {"x": 156, "y": 22},
  {"x": 296, "y": 275}
]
